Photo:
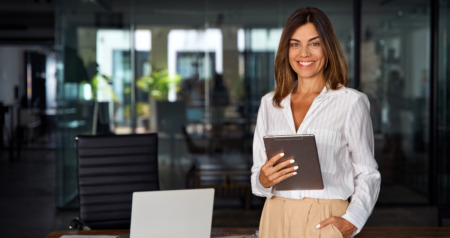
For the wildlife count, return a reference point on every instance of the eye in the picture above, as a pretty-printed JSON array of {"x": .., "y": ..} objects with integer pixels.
[
  {"x": 294, "y": 44},
  {"x": 315, "y": 44}
]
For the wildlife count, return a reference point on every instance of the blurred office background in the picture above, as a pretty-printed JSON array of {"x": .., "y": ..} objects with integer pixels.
[{"x": 194, "y": 72}]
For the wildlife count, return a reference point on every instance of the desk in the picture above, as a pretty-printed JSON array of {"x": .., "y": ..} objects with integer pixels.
[
  {"x": 367, "y": 232},
  {"x": 225, "y": 231}
]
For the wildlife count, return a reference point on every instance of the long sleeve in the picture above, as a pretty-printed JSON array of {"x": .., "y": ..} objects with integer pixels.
[
  {"x": 359, "y": 133},
  {"x": 259, "y": 157}
]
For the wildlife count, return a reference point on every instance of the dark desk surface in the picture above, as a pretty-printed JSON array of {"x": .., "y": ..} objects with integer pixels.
[{"x": 372, "y": 232}]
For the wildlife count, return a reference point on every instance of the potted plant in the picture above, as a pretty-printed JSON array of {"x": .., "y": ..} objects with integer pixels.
[{"x": 158, "y": 84}]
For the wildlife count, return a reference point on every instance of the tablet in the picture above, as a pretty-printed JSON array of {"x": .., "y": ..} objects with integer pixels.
[{"x": 301, "y": 148}]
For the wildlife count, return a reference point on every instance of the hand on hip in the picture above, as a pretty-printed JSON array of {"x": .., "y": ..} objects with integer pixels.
[{"x": 345, "y": 227}]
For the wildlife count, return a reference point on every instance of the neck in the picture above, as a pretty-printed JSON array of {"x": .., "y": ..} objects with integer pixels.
[{"x": 310, "y": 85}]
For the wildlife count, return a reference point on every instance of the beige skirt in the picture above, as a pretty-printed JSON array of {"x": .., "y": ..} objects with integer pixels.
[{"x": 294, "y": 218}]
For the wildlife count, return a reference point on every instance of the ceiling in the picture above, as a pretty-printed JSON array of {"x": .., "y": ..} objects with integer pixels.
[
  {"x": 29, "y": 22},
  {"x": 33, "y": 21}
]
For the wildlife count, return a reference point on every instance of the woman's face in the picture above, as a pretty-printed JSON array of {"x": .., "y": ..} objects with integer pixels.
[{"x": 306, "y": 54}]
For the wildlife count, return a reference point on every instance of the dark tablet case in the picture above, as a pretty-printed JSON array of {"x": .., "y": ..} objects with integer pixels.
[{"x": 302, "y": 148}]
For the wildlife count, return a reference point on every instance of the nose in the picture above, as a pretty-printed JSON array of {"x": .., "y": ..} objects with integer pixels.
[{"x": 304, "y": 51}]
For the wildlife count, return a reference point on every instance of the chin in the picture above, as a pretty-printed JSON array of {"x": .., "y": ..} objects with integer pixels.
[{"x": 306, "y": 75}]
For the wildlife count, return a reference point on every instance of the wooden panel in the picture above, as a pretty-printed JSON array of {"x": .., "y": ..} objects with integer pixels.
[
  {"x": 374, "y": 232},
  {"x": 57, "y": 234},
  {"x": 367, "y": 232}
]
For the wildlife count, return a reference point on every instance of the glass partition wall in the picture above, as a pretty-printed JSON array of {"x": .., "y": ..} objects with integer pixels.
[
  {"x": 395, "y": 69},
  {"x": 443, "y": 104},
  {"x": 195, "y": 71},
  {"x": 94, "y": 90}
]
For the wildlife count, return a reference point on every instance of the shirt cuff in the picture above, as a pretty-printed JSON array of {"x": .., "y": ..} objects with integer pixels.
[
  {"x": 266, "y": 192},
  {"x": 357, "y": 217}
]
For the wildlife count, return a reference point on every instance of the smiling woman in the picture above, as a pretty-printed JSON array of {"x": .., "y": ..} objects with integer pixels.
[
  {"x": 311, "y": 98},
  {"x": 318, "y": 44}
]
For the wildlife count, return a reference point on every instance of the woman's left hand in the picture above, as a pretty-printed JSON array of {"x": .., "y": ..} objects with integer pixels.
[{"x": 345, "y": 227}]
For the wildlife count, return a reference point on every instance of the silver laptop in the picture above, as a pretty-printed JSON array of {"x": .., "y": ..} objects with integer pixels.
[{"x": 172, "y": 214}]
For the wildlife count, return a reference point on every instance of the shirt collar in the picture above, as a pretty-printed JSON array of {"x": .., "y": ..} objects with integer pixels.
[
  {"x": 330, "y": 92},
  {"x": 326, "y": 92}
]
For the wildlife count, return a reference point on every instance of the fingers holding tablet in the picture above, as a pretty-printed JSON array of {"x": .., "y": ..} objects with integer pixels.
[
  {"x": 299, "y": 150},
  {"x": 285, "y": 176},
  {"x": 285, "y": 172},
  {"x": 274, "y": 159},
  {"x": 284, "y": 164},
  {"x": 271, "y": 175}
]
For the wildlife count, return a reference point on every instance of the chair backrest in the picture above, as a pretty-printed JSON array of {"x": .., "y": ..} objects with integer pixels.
[{"x": 110, "y": 169}]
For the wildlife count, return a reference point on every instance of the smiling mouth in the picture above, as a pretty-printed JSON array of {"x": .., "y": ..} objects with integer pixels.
[{"x": 305, "y": 64}]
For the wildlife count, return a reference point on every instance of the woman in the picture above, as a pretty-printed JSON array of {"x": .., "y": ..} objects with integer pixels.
[{"x": 311, "y": 98}]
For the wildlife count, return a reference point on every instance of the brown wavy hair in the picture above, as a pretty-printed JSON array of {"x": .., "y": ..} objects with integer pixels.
[{"x": 335, "y": 72}]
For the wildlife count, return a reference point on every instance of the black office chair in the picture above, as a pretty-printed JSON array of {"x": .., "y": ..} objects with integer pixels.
[{"x": 110, "y": 169}]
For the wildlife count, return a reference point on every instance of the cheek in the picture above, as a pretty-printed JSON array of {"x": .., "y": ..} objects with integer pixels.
[
  {"x": 292, "y": 58},
  {"x": 292, "y": 54},
  {"x": 319, "y": 54}
]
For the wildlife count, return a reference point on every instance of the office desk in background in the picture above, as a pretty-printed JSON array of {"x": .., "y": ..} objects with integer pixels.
[{"x": 367, "y": 232}]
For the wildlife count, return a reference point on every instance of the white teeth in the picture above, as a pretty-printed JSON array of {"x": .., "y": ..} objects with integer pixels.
[{"x": 306, "y": 63}]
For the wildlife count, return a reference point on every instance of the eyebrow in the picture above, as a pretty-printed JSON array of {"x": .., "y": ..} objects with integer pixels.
[{"x": 308, "y": 40}]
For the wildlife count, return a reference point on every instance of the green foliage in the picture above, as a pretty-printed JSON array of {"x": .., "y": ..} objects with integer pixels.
[
  {"x": 158, "y": 84},
  {"x": 142, "y": 109},
  {"x": 94, "y": 86},
  {"x": 238, "y": 88}
]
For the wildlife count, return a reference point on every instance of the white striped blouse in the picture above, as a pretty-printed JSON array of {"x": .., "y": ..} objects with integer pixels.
[{"x": 341, "y": 123}]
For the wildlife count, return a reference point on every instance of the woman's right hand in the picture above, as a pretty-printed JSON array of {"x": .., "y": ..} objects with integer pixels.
[{"x": 271, "y": 175}]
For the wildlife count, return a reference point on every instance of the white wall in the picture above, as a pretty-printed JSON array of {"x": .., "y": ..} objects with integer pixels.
[
  {"x": 195, "y": 40},
  {"x": 11, "y": 72},
  {"x": 51, "y": 80}
]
